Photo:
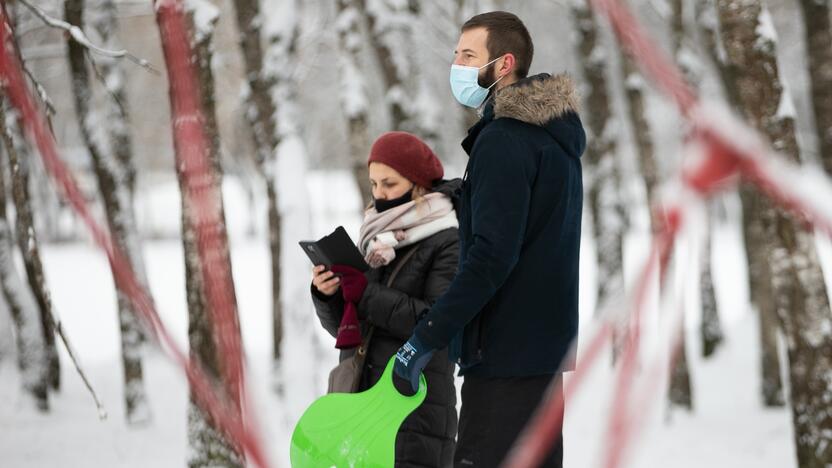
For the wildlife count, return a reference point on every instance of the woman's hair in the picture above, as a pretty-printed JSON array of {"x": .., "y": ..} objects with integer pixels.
[{"x": 419, "y": 193}]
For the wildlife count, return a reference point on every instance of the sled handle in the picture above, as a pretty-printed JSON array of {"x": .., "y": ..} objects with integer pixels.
[{"x": 387, "y": 379}]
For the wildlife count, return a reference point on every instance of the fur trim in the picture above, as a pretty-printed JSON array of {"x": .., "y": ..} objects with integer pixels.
[{"x": 537, "y": 101}]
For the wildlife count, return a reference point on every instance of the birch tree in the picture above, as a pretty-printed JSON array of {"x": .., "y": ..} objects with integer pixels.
[
  {"x": 602, "y": 169},
  {"x": 106, "y": 136},
  {"x": 354, "y": 101},
  {"x": 265, "y": 85},
  {"x": 32, "y": 358},
  {"x": 800, "y": 294},
  {"x": 25, "y": 233},
  {"x": 426, "y": 111},
  {"x": 710, "y": 330},
  {"x": 387, "y": 21},
  {"x": 20, "y": 162},
  {"x": 207, "y": 446}
]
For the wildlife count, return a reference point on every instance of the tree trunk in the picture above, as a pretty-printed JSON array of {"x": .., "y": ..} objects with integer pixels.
[
  {"x": 710, "y": 330},
  {"x": 207, "y": 446},
  {"x": 603, "y": 181},
  {"x": 385, "y": 19},
  {"x": 819, "y": 44},
  {"x": 680, "y": 391},
  {"x": 114, "y": 185},
  {"x": 32, "y": 353},
  {"x": 6, "y": 325},
  {"x": 758, "y": 221},
  {"x": 634, "y": 87},
  {"x": 19, "y": 164},
  {"x": 104, "y": 20},
  {"x": 262, "y": 115},
  {"x": 27, "y": 242},
  {"x": 755, "y": 212},
  {"x": 353, "y": 95},
  {"x": 708, "y": 22},
  {"x": 426, "y": 111},
  {"x": 800, "y": 294}
]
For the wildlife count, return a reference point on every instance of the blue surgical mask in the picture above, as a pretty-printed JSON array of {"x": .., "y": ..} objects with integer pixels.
[{"x": 465, "y": 86}]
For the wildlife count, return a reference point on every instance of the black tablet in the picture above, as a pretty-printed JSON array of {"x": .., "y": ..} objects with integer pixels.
[{"x": 335, "y": 249}]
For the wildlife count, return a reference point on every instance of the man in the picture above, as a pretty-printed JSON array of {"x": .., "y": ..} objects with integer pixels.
[{"x": 511, "y": 313}]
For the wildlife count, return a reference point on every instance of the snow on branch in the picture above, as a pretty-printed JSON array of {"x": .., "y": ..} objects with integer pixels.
[
  {"x": 80, "y": 37},
  {"x": 44, "y": 97}
]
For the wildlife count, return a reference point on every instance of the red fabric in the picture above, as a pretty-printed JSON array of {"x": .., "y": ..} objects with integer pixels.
[
  {"x": 409, "y": 156},
  {"x": 353, "y": 284}
]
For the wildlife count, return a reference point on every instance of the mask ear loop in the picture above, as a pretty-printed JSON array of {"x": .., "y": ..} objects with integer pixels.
[
  {"x": 489, "y": 63},
  {"x": 498, "y": 79},
  {"x": 494, "y": 83}
]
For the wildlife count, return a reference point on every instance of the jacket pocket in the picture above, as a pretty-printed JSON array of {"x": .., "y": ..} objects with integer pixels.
[{"x": 475, "y": 338}]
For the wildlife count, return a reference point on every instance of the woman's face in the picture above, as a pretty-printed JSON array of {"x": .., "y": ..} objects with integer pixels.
[{"x": 387, "y": 184}]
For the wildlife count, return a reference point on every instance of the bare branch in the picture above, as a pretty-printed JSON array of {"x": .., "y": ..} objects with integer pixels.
[
  {"x": 100, "y": 77},
  {"x": 80, "y": 37},
  {"x": 50, "y": 106},
  {"x": 42, "y": 94},
  {"x": 102, "y": 412}
]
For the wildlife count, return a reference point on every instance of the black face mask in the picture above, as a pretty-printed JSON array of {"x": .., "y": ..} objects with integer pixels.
[{"x": 384, "y": 205}]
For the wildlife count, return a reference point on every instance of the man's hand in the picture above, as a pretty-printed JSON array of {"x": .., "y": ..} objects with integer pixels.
[{"x": 411, "y": 359}]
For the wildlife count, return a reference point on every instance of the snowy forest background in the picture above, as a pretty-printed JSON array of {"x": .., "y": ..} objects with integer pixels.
[{"x": 295, "y": 92}]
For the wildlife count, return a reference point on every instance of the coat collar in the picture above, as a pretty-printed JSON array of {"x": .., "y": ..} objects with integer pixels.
[{"x": 536, "y": 100}]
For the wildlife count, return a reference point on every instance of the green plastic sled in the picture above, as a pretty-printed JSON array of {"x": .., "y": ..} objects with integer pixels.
[{"x": 354, "y": 429}]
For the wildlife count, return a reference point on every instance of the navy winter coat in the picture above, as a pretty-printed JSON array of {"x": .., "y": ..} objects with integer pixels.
[{"x": 512, "y": 309}]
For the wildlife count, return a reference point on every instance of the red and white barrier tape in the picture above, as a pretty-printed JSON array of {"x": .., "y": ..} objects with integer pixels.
[
  {"x": 732, "y": 150},
  {"x": 226, "y": 416}
]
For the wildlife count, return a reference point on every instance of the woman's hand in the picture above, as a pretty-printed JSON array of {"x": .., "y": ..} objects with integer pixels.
[{"x": 325, "y": 281}]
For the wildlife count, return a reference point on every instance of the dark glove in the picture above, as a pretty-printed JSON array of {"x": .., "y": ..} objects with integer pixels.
[
  {"x": 411, "y": 359},
  {"x": 353, "y": 282}
]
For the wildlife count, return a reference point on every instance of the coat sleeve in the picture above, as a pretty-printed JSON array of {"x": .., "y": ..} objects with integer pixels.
[
  {"x": 330, "y": 309},
  {"x": 398, "y": 312},
  {"x": 501, "y": 182}
]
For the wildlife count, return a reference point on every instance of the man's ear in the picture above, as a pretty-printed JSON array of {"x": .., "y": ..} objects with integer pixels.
[{"x": 507, "y": 68}]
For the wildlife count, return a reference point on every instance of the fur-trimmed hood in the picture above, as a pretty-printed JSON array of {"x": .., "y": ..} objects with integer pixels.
[
  {"x": 548, "y": 101},
  {"x": 538, "y": 99}
]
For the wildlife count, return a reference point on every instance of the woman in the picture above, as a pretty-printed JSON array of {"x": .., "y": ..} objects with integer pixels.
[{"x": 411, "y": 220}]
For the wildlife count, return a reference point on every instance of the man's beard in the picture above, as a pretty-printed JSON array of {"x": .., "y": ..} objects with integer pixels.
[{"x": 488, "y": 77}]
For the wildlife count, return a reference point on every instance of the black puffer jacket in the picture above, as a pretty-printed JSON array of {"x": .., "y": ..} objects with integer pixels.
[{"x": 426, "y": 438}]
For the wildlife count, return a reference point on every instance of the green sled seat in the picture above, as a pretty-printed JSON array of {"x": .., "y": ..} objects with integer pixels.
[{"x": 346, "y": 430}]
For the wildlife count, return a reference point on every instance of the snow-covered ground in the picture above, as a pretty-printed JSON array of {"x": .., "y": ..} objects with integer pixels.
[{"x": 729, "y": 427}]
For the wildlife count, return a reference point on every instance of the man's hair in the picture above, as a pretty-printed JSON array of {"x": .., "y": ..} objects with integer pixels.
[{"x": 506, "y": 34}]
